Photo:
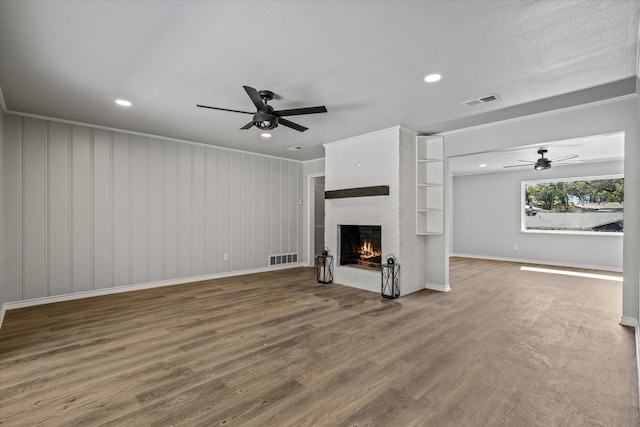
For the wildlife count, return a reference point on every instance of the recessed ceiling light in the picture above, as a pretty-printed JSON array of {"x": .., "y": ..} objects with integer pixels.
[
  {"x": 265, "y": 135},
  {"x": 295, "y": 148},
  {"x": 432, "y": 78},
  {"x": 123, "y": 102},
  {"x": 482, "y": 166}
]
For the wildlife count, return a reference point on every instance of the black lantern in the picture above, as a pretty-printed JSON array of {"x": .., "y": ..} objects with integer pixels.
[
  {"x": 390, "y": 278},
  {"x": 324, "y": 267}
]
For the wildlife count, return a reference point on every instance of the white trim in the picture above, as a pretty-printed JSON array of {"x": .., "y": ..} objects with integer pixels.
[
  {"x": 637, "y": 334},
  {"x": 137, "y": 287},
  {"x": 312, "y": 160},
  {"x": 541, "y": 114},
  {"x": 147, "y": 135},
  {"x": 437, "y": 287},
  {"x": 539, "y": 261},
  {"x": 629, "y": 321}
]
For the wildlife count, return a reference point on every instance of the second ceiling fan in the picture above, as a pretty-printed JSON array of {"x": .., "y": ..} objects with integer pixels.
[
  {"x": 543, "y": 163},
  {"x": 266, "y": 118}
]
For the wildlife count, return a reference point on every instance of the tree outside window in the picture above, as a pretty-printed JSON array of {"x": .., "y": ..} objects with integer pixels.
[{"x": 589, "y": 205}]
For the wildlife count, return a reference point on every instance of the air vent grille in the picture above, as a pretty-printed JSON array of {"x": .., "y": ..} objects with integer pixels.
[
  {"x": 483, "y": 100},
  {"x": 283, "y": 259}
]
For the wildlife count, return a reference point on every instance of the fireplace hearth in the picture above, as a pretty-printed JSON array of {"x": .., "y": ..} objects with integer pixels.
[{"x": 361, "y": 245}]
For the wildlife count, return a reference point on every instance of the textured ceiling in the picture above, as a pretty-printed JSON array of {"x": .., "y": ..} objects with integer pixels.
[{"x": 364, "y": 60}]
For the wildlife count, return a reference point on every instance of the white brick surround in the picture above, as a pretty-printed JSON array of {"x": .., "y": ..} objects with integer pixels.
[{"x": 385, "y": 157}]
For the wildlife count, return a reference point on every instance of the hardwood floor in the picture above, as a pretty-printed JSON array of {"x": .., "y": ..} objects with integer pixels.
[{"x": 504, "y": 347}]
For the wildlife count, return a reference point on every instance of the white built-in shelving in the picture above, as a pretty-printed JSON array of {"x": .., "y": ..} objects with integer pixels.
[{"x": 429, "y": 185}]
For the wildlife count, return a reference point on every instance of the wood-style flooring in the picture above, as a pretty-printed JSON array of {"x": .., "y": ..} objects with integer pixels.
[{"x": 504, "y": 347}]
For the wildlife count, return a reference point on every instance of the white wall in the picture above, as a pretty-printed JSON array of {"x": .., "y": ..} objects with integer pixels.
[
  {"x": 310, "y": 168},
  {"x": 620, "y": 115},
  {"x": 486, "y": 221},
  {"x": 88, "y": 209},
  {"x": 1, "y": 206},
  {"x": 363, "y": 161}
]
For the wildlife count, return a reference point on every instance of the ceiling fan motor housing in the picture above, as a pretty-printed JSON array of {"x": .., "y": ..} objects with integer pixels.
[{"x": 265, "y": 121}]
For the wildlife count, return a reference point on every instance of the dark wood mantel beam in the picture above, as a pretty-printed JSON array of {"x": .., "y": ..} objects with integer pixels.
[{"x": 379, "y": 190}]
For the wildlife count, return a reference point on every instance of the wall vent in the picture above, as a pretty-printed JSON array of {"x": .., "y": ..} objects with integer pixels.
[
  {"x": 483, "y": 100},
  {"x": 283, "y": 259}
]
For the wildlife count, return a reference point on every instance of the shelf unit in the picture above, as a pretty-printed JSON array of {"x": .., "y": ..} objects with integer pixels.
[{"x": 429, "y": 185}]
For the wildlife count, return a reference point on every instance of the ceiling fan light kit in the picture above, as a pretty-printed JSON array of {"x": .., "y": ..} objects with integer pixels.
[{"x": 266, "y": 118}]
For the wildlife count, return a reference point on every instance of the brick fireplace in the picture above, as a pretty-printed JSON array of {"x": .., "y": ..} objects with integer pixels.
[{"x": 383, "y": 158}]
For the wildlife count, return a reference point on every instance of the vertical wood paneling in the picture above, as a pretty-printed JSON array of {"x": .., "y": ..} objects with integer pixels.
[
  {"x": 212, "y": 202},
  {"x": 294, "y": 208},
  {"x": 258, "y": 255},
  {"x": 267, "y": 203},
  {"x": 184, "y": 210},
  {"x": 94, "y": 209},
  {"x": 235, "y": 187},
  {"x": 121, "y": 199},
  {"x": 276, "y": 206},
  {"x": 81, "y": 209},
  {"x": 11, "y": 180},
  {"x": 139, "y": 203},
  {"x": 224, "y": 212},
  {"x": 197, "y": 210},
  {"x": 246, "y": 213},
  {"x": 287, "y": 199},
  {"x": 34, "y": 208},
  {"x": 299, "y": 221},
  {"x": 59, "y": 189},
  {"x": 170, "y": 194},
  {"x": 102, "y": 209},
  {"x": 155, "y": 209}
]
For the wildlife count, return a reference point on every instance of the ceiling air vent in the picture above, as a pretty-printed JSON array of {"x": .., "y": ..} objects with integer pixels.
[{"x": 483, "y": 100}]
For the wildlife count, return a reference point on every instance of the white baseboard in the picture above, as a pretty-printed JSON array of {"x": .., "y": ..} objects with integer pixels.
[
  {"x": 540, "y": 261},
  {"x": 136, "y": 287},
  {"x": 437, "y": 287}
]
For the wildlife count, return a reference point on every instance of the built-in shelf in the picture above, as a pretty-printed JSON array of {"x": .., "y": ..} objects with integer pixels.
[{"x": 429, "y": 185}]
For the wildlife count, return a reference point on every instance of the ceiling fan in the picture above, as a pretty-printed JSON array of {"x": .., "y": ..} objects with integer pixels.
[
  {"x": 543, "y": 163},
  {"x": 266, "y": 118}
]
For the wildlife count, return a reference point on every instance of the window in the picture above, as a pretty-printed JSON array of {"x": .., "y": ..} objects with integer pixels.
[{"x": 574, "y": 205}]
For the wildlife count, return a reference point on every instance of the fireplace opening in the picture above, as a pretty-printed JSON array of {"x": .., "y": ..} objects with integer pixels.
[{"x": 361, "y": 245}]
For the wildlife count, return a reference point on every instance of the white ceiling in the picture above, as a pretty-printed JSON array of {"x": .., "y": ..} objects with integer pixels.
[
  {"x": 593, "y": 149},
  {"x": 364, "y": 60}
]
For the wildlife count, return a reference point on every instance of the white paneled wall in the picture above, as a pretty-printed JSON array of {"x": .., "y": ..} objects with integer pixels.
[{"x": 88, "y": 209}]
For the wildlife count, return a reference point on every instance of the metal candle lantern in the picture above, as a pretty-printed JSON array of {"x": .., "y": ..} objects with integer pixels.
[
  {"x": 324, "y": 267},
  {"x": 390, "y": 278}
]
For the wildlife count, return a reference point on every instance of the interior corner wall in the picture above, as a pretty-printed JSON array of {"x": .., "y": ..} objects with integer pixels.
[
  {"x": 486, "y": 221},
  {"x": 618, "y": 115},
  {"x": 89, "y": 209},
  {"x": 309, "y": 168},
  {"x": 2, "y": 269},
  {"x": 412, "y": 256}
]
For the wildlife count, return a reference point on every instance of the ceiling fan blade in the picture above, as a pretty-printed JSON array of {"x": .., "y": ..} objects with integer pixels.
[
  {"x": 561, "y": 159},
  {"x": 247, "y": 126},
  {"x": 299, "y": 111},
  {"x": 223, "y": 109},
  {"x": 255, "y": 97},
  {"x": 519, "y": 166},
  {"x": 290, "y": 124}
]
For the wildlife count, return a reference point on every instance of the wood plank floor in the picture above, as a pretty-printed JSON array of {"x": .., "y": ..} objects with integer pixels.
[{"x": 504, "y": 347}]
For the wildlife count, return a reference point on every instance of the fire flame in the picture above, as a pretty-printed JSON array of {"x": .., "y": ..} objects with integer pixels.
[{"x": 367, "y": 251}]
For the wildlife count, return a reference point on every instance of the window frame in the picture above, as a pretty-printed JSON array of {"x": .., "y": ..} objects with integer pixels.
[{"x": 523, "y": 185}]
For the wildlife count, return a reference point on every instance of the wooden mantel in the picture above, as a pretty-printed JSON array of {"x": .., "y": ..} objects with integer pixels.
[{"x": 379, "y": 190}]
